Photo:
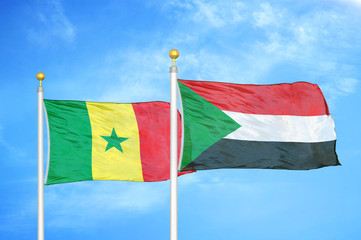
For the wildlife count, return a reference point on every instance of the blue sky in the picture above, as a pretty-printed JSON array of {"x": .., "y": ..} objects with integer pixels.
[{"x": 118, "y": 51}]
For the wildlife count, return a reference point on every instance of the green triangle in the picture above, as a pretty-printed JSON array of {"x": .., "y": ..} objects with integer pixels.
[{"x": 204, "y": 124}]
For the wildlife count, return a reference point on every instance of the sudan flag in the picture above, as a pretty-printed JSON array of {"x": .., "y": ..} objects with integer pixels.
[
  {"x": 281, "y": 126},
  {"x": 108, "y": 141}
]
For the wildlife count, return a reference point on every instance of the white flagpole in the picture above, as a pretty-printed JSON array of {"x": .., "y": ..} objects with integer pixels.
[
  {"x": 173, "y": 148},
  {"x": 40, "y": 76}
]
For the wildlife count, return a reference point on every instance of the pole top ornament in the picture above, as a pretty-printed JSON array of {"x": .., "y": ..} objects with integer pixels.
[
  {"x": 173, "y": 54},
  {"x": 40, "y": 76}
]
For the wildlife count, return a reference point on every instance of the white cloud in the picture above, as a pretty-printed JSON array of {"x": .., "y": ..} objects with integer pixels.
[
  {"x": 353, "y": 2},
  {"x": 14, "y": 151},
  {"x": 241, "y": 197},
  {"x": 20, "y": 218},
  {"x": 132, "y": 76},
  {"x": 218, "y": 15},
  {"x": 304, "y": 34},
  {"x": 207, "y": 65},
  {"x": 338, "y": 87},
  {"x": 306, "y": 41},
  {"x": 284, "y": 37},
  {"x": 52, "y": 24},
  {"x": 215, "y": 14},
  {"x": 268, "y": 16},
  {"x": 122, "y": 75},
  {"x": 347, "y": 85},
  {"x": 82, "y": 204},
  {"x": 189, "y": 180}
]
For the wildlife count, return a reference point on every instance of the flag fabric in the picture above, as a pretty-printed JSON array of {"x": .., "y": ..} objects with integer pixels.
[
  {"x": 280, "y": 126},
  {"x": 108, "y": 141}
]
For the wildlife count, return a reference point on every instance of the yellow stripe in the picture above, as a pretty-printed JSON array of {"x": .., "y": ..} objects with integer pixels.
[{"x": 112, "y": 164}]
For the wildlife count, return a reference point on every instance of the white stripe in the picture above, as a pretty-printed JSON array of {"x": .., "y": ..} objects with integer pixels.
[{"x": 283, "y": 128}]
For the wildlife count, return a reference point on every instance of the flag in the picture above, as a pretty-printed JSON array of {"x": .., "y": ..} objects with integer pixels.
[
  {"x": 280, "y": 126},
  {"x": 108, "y": 141}
]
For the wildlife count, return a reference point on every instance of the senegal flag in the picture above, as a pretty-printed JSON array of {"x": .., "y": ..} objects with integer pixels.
[
  {"x": 281, "y": 126},
  {"x": 108, "y": 141}
]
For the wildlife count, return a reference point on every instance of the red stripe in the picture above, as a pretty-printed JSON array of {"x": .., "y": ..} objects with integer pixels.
[
  {"x": 153, "y": 120},
  {"x": 300, "y": 98}
]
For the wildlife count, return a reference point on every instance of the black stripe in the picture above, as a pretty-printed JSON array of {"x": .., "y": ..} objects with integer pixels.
[{"x": 228, "y": 153}]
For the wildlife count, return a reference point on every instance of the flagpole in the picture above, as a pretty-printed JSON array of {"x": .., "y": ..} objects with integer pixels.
[
  {"x": 40, "y": 76},
  {"x": 173, "y": 148}
]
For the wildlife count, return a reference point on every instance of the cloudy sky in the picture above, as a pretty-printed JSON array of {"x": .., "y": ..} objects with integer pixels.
[{"x": 118, "y": 51}]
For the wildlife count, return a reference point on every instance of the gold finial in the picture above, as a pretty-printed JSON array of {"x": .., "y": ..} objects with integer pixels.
[
  {"x": 173, "y": 54},
  {"x": 40, "y": 76}
]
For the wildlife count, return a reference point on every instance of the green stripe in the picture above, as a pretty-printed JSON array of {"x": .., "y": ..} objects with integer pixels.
[
  {"x": 70, "y": 142},
  {"x": 204, "y": 124}
]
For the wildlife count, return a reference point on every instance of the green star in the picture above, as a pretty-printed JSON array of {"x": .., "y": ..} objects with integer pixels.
[{"x": 114, "y": 141}]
